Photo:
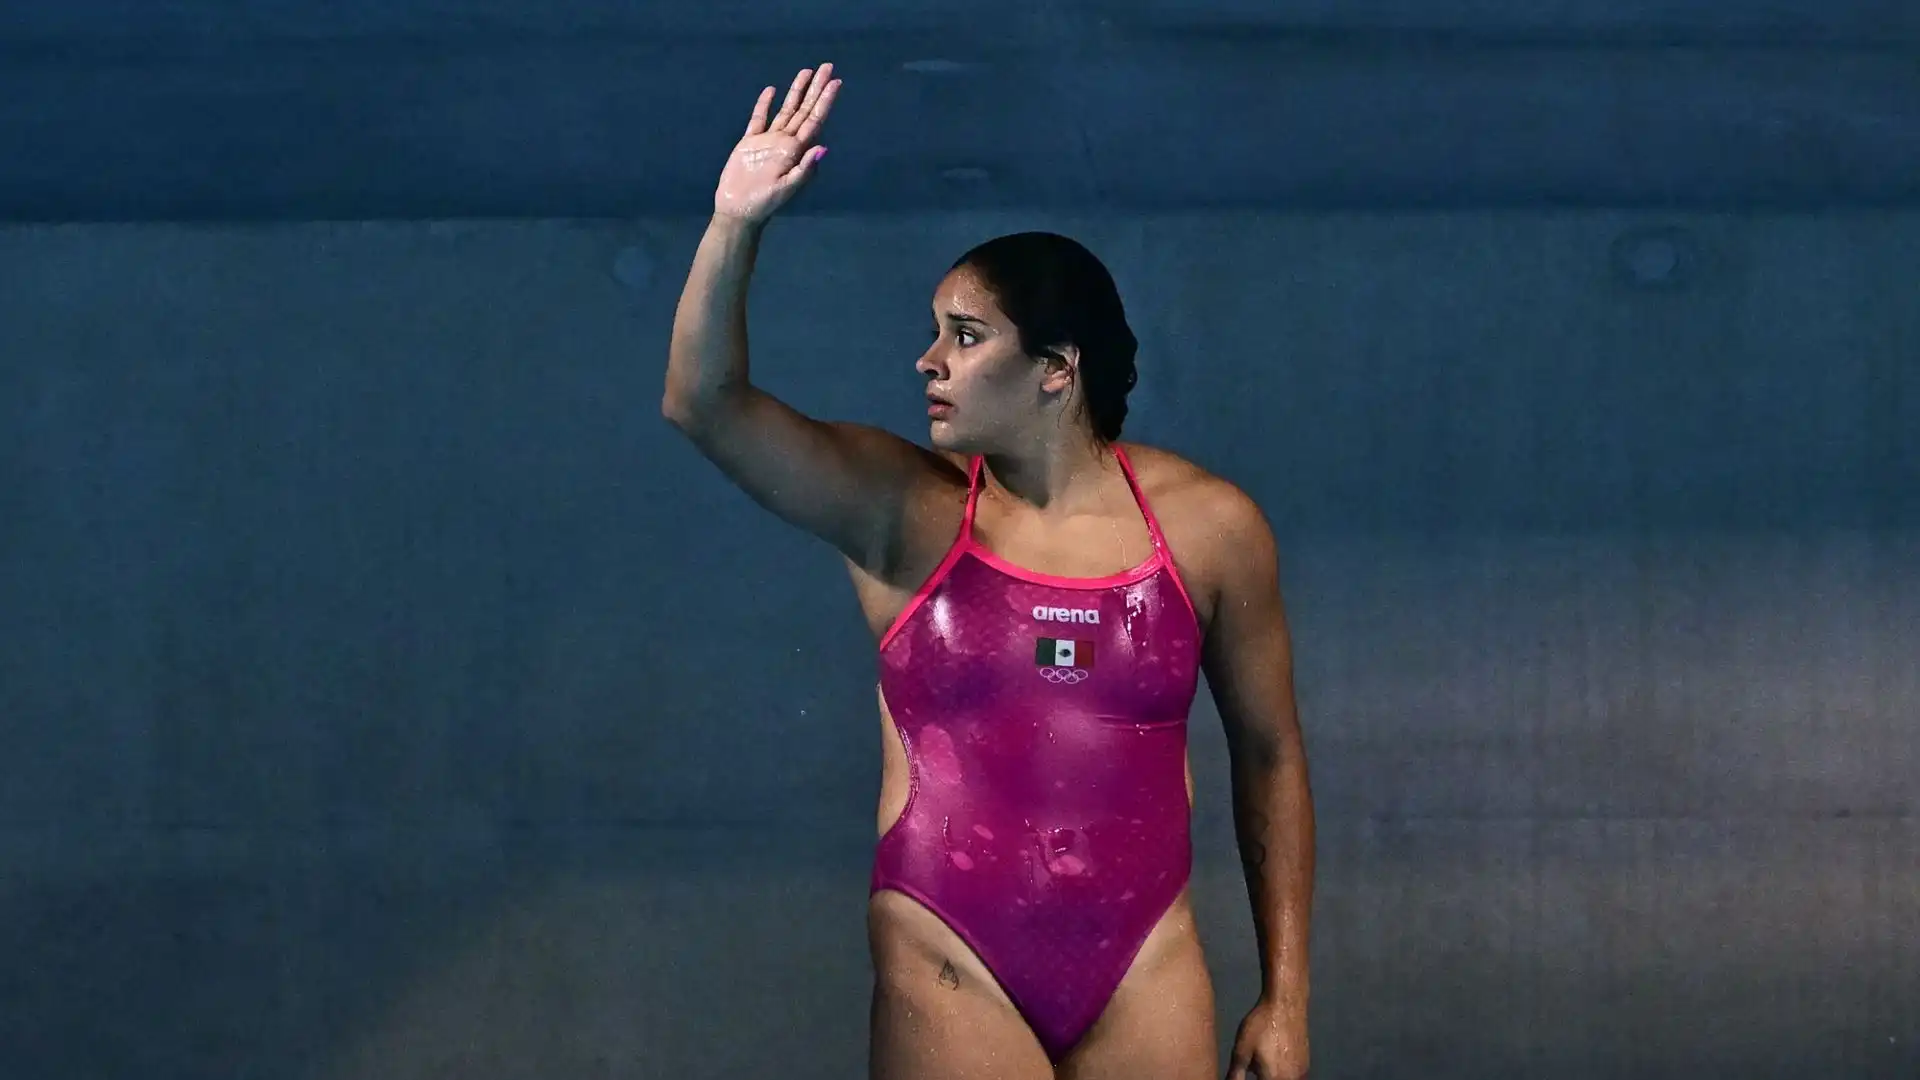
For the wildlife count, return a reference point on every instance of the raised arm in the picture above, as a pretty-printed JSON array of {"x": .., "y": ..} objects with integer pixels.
[{"x": 853, "y": 486}]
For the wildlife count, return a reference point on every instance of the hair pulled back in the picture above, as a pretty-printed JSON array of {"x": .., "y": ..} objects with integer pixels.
[{"x": 1057, "y": 293}]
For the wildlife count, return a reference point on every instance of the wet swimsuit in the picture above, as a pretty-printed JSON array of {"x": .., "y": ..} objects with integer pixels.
[{"x": 1044, "y": 722}]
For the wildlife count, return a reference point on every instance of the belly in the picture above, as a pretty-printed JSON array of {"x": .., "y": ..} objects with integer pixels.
[
  {"x": 1045, "y": 861},
  {"x": 897, "y": 780}
]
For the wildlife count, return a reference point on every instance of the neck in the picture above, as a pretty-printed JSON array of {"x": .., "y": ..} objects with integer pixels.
[{"x": 1050, "y": 471}]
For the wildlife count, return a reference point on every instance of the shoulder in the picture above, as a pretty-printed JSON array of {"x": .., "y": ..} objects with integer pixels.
[
  {"x": 1217, "y": 531},
  {"x": 1188, "y": 498}
]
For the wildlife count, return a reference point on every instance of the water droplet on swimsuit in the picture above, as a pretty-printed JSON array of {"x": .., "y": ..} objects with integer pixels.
[
  {"x": 1067, "y": 866},
  {"x": 961, "y": 860},
  {"x": 983, "y": 832},
  {"x": 1105, "y": 943},
  {"x": 1128, "y": 895}
]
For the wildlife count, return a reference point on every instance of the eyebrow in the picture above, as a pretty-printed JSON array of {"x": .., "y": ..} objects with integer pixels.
[{"x": 955, "y": 316}]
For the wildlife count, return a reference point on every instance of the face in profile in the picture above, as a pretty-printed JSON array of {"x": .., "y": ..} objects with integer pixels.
[{"x": 983, "y": 391}]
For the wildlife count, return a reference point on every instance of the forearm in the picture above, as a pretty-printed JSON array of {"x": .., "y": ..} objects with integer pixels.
[
  {"x": 708, "y": 353},
  {"x": 1273, "y": 818}
]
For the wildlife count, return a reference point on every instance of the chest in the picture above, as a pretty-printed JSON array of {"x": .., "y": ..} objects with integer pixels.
[
  {"x": 1097, "y": 543},
  {"x": 1126, "y": 648}
]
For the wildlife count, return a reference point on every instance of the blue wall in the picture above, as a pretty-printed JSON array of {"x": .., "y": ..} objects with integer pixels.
[{"x": 387, "y": 691}]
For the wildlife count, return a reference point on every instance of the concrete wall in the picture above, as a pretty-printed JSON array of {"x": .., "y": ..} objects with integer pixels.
[{"x": 388, "y": 693}]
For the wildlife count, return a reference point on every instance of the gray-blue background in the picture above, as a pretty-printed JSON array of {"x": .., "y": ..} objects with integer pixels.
[{"x": 387, "y": 692}]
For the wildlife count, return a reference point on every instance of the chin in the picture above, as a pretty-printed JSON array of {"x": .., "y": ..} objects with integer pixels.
[{"x": 943, "y": 436}]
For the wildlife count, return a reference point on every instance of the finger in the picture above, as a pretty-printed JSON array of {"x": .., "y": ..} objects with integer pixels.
[
  {"x": 815, "y": 85},
  {"x": 802, "y": 172},
  {"x": 758, "y": 124},
  {"x": 817, "y": 115},
  {"x": 1238, "y": 1070},
  {"x": 794, "y": 93}
]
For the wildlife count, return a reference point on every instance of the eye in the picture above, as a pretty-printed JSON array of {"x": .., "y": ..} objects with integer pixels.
[{"x": 967, "y": 337}]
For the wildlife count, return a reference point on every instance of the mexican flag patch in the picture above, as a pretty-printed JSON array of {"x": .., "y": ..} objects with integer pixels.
[{"x": 1063, "y": 653}]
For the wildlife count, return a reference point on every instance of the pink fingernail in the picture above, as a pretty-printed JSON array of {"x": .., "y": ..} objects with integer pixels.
[{"x": 819, "y": 152}]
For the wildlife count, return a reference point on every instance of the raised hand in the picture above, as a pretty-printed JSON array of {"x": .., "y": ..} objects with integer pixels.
[{"x": 777, "y": 155}]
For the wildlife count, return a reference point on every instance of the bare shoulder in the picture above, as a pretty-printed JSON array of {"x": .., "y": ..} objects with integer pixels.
[
  {"x": 1193, "y": 503},
  {"x": 1218, "y": 535},
  {"x": 932, "y": 512},
  {"x": 878, "y": 440}
]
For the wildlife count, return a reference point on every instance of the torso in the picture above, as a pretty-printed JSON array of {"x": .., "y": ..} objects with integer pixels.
[{"x": 1069, "y": 720}]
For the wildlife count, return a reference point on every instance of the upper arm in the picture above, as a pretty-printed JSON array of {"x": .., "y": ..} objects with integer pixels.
[
  {"x": 856, "y": 487},
  {"x": 1248, "y": 652}
]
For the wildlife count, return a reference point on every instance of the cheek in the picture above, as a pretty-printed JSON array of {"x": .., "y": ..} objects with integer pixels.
[{"x": 999, "y": 378}]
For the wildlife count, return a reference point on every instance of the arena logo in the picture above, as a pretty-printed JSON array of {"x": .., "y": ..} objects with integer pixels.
[{"x": 1089, "y": 616}]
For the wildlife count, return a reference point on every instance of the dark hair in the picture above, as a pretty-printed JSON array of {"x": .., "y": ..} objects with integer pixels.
[{"x": 1057, "y": 293}]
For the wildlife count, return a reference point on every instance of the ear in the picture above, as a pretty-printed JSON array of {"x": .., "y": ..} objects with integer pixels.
[{"x": 1060, "y": 365}]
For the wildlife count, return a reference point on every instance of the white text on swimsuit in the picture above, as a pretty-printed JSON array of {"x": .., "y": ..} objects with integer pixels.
[{"x": 1067, "y": 615}]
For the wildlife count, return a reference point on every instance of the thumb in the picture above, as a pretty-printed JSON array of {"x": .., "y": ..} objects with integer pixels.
[{"x": 1239, "y": 1069}]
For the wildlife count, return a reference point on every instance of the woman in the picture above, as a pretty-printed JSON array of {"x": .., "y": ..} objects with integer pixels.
[{"x": 1045, "y": 599}]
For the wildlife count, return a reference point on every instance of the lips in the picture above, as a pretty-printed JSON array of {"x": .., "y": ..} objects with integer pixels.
[{"x": 938, "y": 406}]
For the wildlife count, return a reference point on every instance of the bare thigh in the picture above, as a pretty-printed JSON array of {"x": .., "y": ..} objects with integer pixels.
[
  {"x": 937, "y": 1013},
  {"x": 1159, "y": 1024}
]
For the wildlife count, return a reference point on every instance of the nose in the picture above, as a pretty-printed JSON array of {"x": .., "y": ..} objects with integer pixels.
[{"x": 931, "y": 364}]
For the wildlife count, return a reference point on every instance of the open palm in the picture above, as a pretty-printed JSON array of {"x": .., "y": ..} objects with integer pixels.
[{"x": 777, "y": 154}]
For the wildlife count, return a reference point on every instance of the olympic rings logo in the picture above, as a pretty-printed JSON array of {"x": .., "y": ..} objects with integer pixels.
[{"x": 1065, "y": 676}]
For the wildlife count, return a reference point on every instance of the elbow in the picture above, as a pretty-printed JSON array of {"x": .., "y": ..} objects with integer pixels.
[
  {"x": 685, "y": 407},
  {"x": 1261, "y": 749},
  {"x": 1264, "y": 754},
  {"x": 676, "y": 410},
  {"x": 695, "y": 412}
]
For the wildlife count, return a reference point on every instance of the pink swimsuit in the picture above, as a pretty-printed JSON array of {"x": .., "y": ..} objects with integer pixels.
[{"x": 1044, "y": 721}]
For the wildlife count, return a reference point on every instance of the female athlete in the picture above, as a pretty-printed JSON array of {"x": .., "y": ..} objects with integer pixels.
[{"x": 1045, "y": 599}]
